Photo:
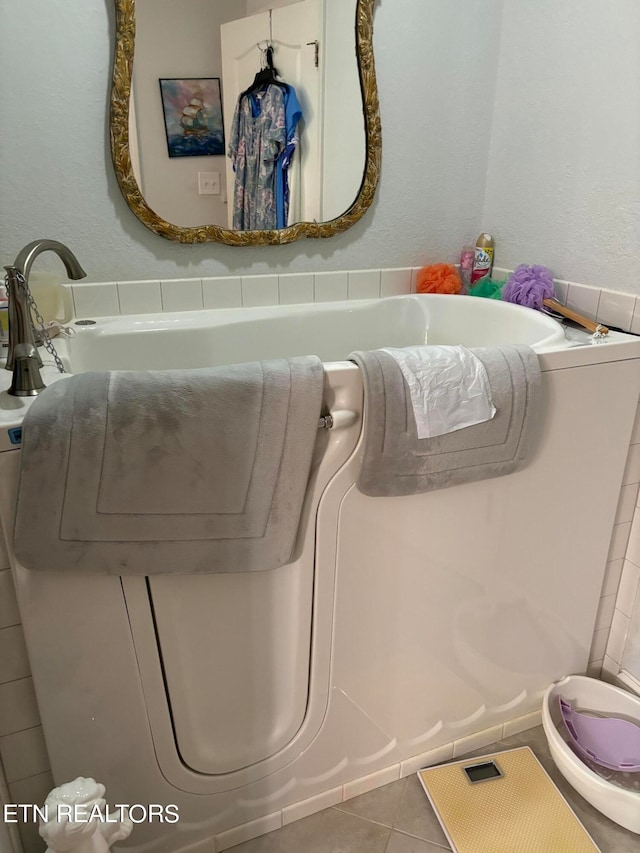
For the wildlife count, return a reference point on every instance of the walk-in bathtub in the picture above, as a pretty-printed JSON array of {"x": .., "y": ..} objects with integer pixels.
[{"x": 406, "y": 630}]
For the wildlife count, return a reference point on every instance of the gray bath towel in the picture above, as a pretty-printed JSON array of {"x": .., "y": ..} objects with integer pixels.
[
  {"x": 397, "y": 462},
  {"x": 179, "y": 471}
]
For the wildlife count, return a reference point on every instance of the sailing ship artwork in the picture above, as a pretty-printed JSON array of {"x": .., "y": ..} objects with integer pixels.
[{"x": 193, "y": 116}]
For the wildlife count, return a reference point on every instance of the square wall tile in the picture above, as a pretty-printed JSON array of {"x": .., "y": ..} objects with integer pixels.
[
  {"x": 632, "y": 468},
  {"x": 632, "y": 551},
  {"x": 139, "y": 297},
  {"x": 4, "y": 557},
  {"x": 627, "y": 503},
  {"x": 33, "y": 791},
  {"x": 95, "y": 300},
  {"x": 583, "y": 299},
  {"x": 628, "y": 589},
  {"x": 594, "y": 669},
  {"x": 605, "y": 612},
  {"x": 182, "y": 294},
  {"x": 14, "y": 663},
  {"x": 616, "y": 309},
  {"x": 619, "y": 539},
  {"x": 599, "y": 644},
  {"x": 610, "y": 669},
  {"x": 24, "y": 754},
  {"x": 364, "y": 284},
  {"x": 635, "y": 435},
  {"x": 618, "y": 635},
  {"x": 9, "y": 613},
  {"x": 259, "y": 290},
  {"x": 612, "y": 574},
  {"x": 296, "y": 289},
  {"x": 18, "y": 707},
  {"x": 635, "y": 320},
  {"x": 395, "y": 282},
  {"x": 562, "y": 289},
  {"x": 331, "y": 286},
  {"x": 222, "y": 292}
]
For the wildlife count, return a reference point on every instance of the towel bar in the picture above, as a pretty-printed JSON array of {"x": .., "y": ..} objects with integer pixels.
[{"x": 338, "y": 420}]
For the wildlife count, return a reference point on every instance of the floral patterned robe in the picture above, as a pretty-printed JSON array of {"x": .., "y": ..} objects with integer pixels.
[{"x": 258, "y": 137}]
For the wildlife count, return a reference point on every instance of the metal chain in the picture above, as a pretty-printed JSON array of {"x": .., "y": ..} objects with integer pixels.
[{"x": 47, "y": 343}]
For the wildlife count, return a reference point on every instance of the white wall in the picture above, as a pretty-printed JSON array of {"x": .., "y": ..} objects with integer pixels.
[
  {"x": 436, "y": 71},
  {"x": 563, "y": 183},
  {"x": 177, "y": 40}
]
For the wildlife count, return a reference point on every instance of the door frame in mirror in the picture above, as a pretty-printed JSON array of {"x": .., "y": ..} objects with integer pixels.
[{"x": 119, "y": 132}]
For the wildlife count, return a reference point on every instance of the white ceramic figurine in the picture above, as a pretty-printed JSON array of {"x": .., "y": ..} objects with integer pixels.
[{"x": 79, "y": 821}]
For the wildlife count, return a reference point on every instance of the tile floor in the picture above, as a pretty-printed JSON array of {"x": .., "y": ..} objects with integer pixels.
[{"x": 398, "y": 818}]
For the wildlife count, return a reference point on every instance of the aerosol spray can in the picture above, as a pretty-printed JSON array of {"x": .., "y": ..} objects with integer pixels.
[{"x": 483, "y": 258}]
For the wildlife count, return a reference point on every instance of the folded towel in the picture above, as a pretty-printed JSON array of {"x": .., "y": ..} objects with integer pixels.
[
  {"x": 180, "y": 471},
  {"x": 397, "y": 462}
]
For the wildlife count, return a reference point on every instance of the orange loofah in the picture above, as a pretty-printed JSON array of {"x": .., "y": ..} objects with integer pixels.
[{"x": 439, "y": 278}]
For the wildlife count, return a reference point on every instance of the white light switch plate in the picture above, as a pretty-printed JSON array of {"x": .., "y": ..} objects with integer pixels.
[{"x": 209, "y": 183}]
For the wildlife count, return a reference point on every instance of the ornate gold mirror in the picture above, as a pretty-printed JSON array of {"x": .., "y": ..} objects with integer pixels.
[{"x": 206, "y": 150}]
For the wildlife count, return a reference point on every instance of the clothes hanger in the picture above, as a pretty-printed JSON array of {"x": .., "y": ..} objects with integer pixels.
[{"x": 267, "y": 76}]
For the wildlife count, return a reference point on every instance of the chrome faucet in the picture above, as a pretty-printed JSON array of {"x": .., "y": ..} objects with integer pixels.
[{"x": 22, "y": 344}]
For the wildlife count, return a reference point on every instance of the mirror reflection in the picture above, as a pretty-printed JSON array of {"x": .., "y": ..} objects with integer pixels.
[{"x": 246, "y": 114}]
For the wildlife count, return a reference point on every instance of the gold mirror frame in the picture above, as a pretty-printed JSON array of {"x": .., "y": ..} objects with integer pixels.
[{"x": 119, "y": 126}]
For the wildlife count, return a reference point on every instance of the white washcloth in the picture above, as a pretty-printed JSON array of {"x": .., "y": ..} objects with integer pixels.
[{"x": 449, "y": 387}]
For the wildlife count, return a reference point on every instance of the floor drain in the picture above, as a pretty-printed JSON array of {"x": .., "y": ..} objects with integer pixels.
[{"x": 85, "y": 323}]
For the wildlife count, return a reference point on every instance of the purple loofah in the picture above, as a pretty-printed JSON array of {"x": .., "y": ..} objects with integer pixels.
[{"x": 529, "y": 286}]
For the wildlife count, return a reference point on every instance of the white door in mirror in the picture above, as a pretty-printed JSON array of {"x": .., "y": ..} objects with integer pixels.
[{"x": 292, "y": 30}]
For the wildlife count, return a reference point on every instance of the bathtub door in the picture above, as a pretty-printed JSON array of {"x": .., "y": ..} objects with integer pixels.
[{"x": 235, "y": 650}]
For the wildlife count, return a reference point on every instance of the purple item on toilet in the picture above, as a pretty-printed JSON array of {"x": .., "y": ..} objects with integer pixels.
[{"x": 609, "y": 741}]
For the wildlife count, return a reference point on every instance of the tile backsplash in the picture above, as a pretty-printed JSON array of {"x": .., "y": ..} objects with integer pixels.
[{"x": 103, "y": 299}]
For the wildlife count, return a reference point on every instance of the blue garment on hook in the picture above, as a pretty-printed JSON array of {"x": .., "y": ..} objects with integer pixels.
[{"x": 293, "y": 116}]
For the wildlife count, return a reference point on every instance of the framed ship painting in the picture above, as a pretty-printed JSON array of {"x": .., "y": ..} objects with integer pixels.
[{"x": 193, "y": 116}]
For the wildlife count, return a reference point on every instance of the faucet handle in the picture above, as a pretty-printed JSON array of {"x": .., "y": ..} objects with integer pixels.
[{"x": 26, "y": 380}]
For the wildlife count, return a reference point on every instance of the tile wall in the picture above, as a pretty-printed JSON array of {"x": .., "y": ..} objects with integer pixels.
[
  {"x": 103, "y": 299},
  {"x": 146, "y": 297},
  {"x": 622, "y": 575},
  {"x": 22, "y": 749}
]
